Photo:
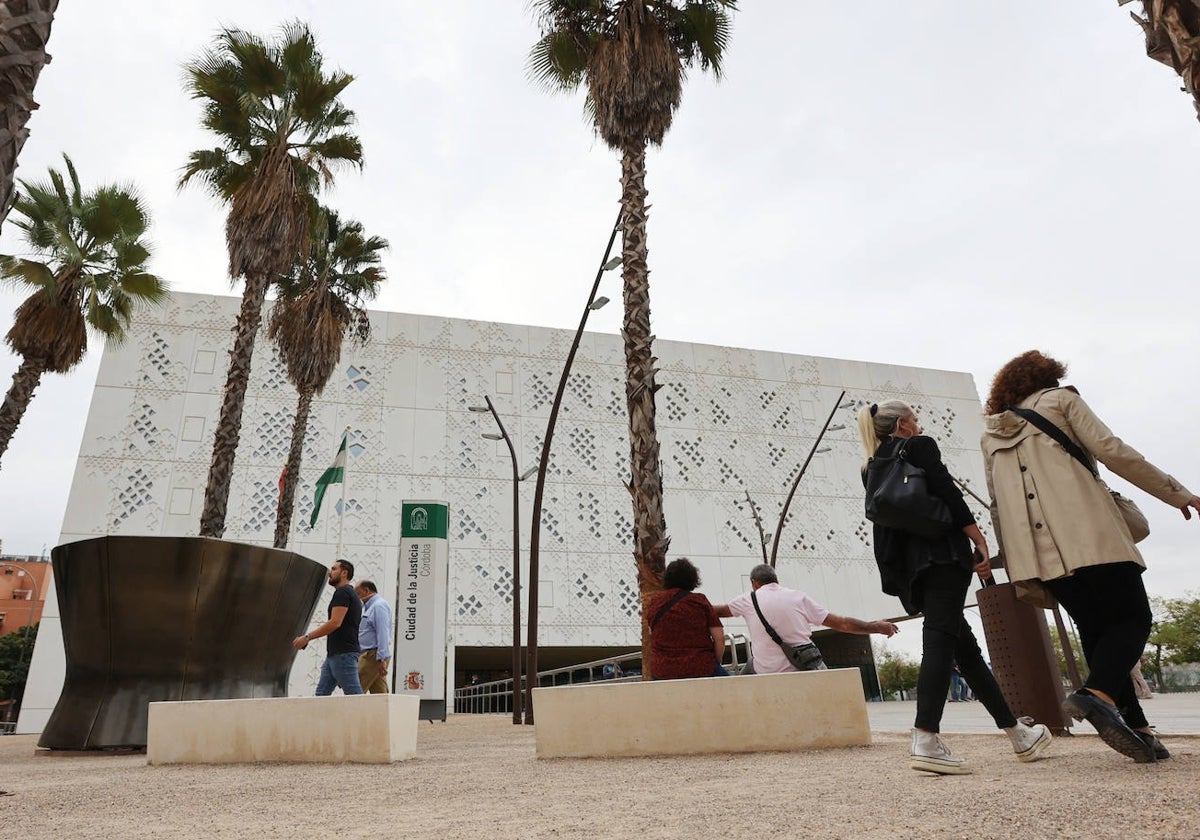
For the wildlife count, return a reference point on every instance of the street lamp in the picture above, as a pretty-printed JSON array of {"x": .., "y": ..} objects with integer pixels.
[
  {"x": 788, "y": 501},
  {"x": 593, "y": 303},
  {"x": 516, "y": 593}
]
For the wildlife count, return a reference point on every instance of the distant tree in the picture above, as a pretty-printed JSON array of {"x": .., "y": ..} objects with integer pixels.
[
  {"x": 321, "y": 303},
  {"x": 16, "y": 650},
  {"x": 1172, "y": 30},
  {"x": 24, "y": 31},
  {"x": 1176, "y": 632},
  {"x": 897, "y": 672},
  {"x": 87, "y": 268},
  {"x": 1061, "y": 657},
  {"x": 282, "y": 129}
]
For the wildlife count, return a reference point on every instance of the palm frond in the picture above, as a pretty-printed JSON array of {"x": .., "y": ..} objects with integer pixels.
[
  {"x": 282, "y": 131},
  {"x": 558, "y": 62},
  {"x": 90, "y": 267}
]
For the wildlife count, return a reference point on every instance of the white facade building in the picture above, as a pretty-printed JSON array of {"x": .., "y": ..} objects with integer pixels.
[{"x": 731, "y": 421}]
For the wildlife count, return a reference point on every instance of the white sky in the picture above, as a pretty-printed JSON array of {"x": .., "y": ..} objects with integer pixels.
[{"x": 941, "y": 184}]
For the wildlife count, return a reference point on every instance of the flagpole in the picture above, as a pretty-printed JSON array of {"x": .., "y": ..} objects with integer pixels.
[{"x": 342, "y": 507}]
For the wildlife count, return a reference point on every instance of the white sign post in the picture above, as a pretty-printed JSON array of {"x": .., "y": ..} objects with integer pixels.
[{"x": 421, "y": 605}]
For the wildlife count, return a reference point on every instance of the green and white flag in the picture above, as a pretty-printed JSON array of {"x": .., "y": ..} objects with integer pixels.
[{"x": 336, "y": 474}]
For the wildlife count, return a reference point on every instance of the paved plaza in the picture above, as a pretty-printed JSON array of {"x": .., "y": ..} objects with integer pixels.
[{"x": 476, "y": 776}]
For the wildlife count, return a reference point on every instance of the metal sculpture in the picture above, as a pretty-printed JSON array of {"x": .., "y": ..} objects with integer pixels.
[{"x": 146, "y": 619}]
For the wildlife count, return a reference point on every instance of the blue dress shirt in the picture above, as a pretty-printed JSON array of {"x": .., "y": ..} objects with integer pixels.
[{"x": 375, "y": 630}]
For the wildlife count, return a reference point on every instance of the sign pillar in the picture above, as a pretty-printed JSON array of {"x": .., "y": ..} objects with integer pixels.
[{"x": 422, "y": 602}]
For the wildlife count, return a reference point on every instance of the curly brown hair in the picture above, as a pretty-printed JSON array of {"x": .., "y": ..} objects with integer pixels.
[
  {"x": 1029, "y": 372},
  {"x": 681, "y": 574}
]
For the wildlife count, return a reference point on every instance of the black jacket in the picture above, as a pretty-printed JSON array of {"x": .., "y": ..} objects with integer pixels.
[{"x": 901, "y": 556}]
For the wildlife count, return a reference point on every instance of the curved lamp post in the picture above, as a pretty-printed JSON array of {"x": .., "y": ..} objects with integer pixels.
[
  {"x": 593, "y": 303},
  {"x": 787, "y": 503},
  {"x": 516, "y": 594}
]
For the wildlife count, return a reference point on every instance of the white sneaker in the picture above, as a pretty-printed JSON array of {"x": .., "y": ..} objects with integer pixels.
[
  {"x": 1029, "y": 741},
  {"x": 930, "y": 753}
]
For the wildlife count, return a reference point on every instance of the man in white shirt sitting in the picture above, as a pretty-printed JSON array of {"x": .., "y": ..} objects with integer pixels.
[{"x": 792, "y": 614}]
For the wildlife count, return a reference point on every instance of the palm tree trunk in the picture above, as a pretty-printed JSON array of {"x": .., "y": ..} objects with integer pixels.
[
  {"x": 287, "y": 498},
  {"x": 25, "y": 382},
  {"x": 24, "y": 31},
  {"x": 649, "y": 524},
  {"x": 229, "y": 425}
]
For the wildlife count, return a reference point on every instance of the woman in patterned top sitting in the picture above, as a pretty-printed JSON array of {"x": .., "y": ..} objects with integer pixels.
[{"x": 686, "y": 637}]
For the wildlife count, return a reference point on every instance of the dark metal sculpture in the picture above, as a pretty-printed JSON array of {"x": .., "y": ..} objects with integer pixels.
[{"x": 171, "y": 618}]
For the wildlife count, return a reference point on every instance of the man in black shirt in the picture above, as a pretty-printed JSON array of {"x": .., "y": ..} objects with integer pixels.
[{"x": 341, "y": 652}]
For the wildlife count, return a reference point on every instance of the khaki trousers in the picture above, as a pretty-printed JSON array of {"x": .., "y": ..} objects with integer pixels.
[{"x": 372, "y": 681}]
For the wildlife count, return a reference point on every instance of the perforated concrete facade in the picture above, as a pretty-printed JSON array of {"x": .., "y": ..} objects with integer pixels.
[{"x": 730, "y": 421}]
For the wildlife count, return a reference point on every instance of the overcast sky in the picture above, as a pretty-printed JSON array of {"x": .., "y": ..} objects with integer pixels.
[{"x": 942, "y": 184}]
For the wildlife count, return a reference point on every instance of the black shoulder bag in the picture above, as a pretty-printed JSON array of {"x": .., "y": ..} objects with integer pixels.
[
  {"x": 898, "y": 497},
  {"x": 804, "y": 657},
  {"x": 1131, "y": 514},
  {"x": 683, "y": 593}
]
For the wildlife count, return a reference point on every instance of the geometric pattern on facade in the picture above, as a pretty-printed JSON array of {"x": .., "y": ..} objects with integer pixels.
[{"x": 731, "y": 421}]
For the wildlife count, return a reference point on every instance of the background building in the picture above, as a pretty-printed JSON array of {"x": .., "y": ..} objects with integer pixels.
[
  {"x": 23, "y": 583},
  {"x": 731, "y": 422}
]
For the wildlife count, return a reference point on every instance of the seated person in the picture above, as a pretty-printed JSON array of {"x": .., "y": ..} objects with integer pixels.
[
  {"x": 793, "y": 615},
  {"x": 686, "y": 637}
]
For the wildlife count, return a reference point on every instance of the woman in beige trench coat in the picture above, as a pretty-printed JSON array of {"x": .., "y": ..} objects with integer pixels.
[{"x": 1061, "y": 536}]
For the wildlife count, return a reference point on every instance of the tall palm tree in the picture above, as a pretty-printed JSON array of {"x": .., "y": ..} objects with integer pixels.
[
  {"x": 1172, "y": 29},
  {"x": 24, "y": 31},
  {"x": 321, "y": 302},
  {"x": 87, "y": 269},
  {"x": 282, "y": 129},
  {"x": 631, "y": 57}
]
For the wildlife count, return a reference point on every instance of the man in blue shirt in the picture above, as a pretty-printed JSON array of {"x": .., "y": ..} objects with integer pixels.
[
  {"x": 341, "y": 652},
  {"x": 374, "y": 639}
]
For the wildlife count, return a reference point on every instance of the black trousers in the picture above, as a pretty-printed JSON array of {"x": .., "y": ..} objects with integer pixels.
[
  {"x": 946, "y": 638},
  {"x": 1109, "y": 606}
]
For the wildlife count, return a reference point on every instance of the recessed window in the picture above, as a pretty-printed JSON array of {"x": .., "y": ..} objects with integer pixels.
[
  {"x": 181, "y": 501},
  {"x": 193, "y": 428},
  {"x": 205, "y": 362}
]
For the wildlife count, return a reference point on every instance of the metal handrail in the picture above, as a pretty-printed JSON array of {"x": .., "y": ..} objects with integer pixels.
[{"x": 495, "y": 697}]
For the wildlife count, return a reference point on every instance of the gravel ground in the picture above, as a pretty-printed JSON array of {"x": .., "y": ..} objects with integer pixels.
[{"x": 476, "y": 776}]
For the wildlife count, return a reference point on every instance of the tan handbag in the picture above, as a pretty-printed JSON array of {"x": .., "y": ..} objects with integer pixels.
[{"x": 1135, "y": 520}]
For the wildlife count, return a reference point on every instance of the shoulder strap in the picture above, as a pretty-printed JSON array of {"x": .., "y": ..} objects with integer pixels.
[
  {"x": 1059, "y": 435},
  {"x": 683, "y": 593},
  {"x": 766, "y": 624}
]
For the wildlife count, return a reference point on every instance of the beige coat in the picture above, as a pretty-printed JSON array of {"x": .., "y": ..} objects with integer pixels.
[{"x": 1050, "y": 514}]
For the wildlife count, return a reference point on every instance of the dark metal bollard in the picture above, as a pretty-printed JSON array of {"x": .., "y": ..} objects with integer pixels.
[
  {"x": 1022, "y": 657},
  {"x": 171, "y": 618}
]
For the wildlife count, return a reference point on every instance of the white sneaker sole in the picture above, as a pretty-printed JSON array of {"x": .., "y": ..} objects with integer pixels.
[{"x": 942, "y": 766}]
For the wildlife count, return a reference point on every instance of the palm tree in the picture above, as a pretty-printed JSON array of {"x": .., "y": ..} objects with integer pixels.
[
  {"x": 321, "y": 302},
  {"x": 88, "y": 270},
  {"x": 631, "y": 57},
  {"x": 1172, "y": 29},
  {"x": 282, "y": 129},
  {"x": 24, "y": 31}
]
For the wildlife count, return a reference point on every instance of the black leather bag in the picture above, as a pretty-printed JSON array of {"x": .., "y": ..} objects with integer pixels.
[
  {"x": 806, "y": 657},
  {"x": 898, "y": 497}
]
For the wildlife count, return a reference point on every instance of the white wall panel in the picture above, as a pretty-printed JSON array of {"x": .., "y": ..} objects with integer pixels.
[{"x": 730, "y": 421}]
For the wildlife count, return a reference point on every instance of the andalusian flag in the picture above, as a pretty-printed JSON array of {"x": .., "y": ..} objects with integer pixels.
[{"x": 336, "y": 474}]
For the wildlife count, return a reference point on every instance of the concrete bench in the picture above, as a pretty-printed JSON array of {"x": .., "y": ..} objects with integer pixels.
[
  {"x": 794, "y": 711},
  {"x": 366, "y": 729}
]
